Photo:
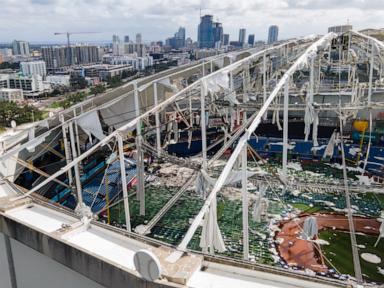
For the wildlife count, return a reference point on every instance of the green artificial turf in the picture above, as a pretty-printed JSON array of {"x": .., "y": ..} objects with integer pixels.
[
  {"x": 339, "y": 253},
  {"x": 306, "y": 208}
]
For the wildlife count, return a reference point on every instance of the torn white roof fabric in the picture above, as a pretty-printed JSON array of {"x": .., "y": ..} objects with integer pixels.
[
  {"x": 90, "y": 124},
  {"x": 211, "y": 234}
]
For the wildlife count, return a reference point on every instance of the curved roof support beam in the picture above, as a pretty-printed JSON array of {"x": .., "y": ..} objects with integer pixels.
[{"x": 379, "y": 44}]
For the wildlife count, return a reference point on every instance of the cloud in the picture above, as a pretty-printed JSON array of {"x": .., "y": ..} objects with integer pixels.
[{"x": 37, "y": 20}]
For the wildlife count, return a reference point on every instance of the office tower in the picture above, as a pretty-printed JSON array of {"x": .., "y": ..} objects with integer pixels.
[
  {"x": 34, "y": 68},
  {"x": 116, "y": 45},
  {"x": 177, "y": 41},
  {"x": 273, "y": 34},
  {"x": 209, "y": 33},
  {"x": 180, "y": 38},
  {"x": 126, "y": 38},
  {"x": 226, "y": 39},
  {"x": 20, "y": 48},
  {"x": 251, "y": 39},
  {"x": 139, "y": 40},
  {"x": 218, "y": 34},
  {"x": 242, "y": 33}
]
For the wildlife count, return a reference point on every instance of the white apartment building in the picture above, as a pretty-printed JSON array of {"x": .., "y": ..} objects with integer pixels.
[
  {"x": 34, "y": 68},
  {"x": 32, "y": 86}
]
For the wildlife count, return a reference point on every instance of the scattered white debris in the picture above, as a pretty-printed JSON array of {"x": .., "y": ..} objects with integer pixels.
[
  {"x": 296, "y": 192},
  {"x": 327, "y": 203},
  {"x": 364, "y": 180},
  {"x": 279, "y": 241},
  {"x": 318, "y": 148},
  {"x": 354, "y": 207},
  {"x": 371, "y": 258},
  {"x": 340, "y": 167},
  {"x": 310, "y": 272},
  {"x": 295, "y": 166},
  {"x": 353, "y": 151},
  {"x": 380, "y": 270},
  {"x": 172, "y": 175},
  {"x": 313, "y": 174},
  {"x": 289, "y": 146},
  {"x": 320, "y": 242},
  {"x": 307, "y": 196}
]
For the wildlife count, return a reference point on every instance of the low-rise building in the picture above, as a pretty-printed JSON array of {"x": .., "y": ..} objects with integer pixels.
[
  {"x": 32, "y": 86},
  {"x": 109, "y": 71},
  {"x": 13, "y": 95},
  {"x": 58, "y": 80},
  {"x": 102, "y": 71},
  {"x": 138, "y": 63},
  {"x": 4, "y": 81}
]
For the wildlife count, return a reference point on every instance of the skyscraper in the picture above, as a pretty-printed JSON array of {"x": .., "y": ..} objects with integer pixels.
[
  {"x": 242, "y": 33},
  {"x": 273, "y": 34},
  {"x": 116, "y": 45},
  {"x": 218, "y": 34},
  {"x": 180, "y": 38},
  {"x": 126, "y": 38},
  {"x": 20, "y": 48},
  {"x": 210, "y": 34},
  {"x": 251, "y": 39},
  {"x": 205, "y": 32},
  {"x": 226, "y": 39},
  {"x": 138, "y": 38}
]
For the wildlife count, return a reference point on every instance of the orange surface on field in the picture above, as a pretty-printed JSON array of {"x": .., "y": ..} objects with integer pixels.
[{"x": 307, "y": 254}]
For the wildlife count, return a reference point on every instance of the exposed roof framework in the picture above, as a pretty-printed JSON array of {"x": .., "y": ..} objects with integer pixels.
[{"x": 224, "y": 78}]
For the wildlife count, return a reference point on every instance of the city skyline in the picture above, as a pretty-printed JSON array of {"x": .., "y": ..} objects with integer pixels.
[{"x": 127, "y": 18}]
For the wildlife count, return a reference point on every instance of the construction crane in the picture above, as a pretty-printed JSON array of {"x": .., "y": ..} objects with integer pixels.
[{"x": 69, "y": 58}]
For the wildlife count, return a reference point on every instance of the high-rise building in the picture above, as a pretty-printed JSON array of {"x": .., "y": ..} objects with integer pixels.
[
  {"x": 218, "y": 34},
  {"x": 117, "y": 47},
  {"x": 189, "y": 43},
  {"x": 210, "y": 34},
  {"x": 139, "y": 39},
  {"x": 273, "y": 34},
  {"x": 20, "y": 48},
  {"x": 34, "y": 68},
  {"x": 126, "y": 38},
  {"x": 180, "y": 38},
  {"x": 177, "y": 41},
  {"x": 1, "y": 58},
  {"x": 251, "y": 39},
  {"x": 226, "y": 39},
  {"x": 55, "y": 56},
  {"x": 242, "y": 33}
]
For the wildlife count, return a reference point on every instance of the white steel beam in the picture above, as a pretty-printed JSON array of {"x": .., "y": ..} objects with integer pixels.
[
  {"x": 285, "y": 129},
  {"x": 124, "y": 182}
]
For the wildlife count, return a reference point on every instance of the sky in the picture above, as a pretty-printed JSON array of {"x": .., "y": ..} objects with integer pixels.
[{"x": 37, "y": 20}]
